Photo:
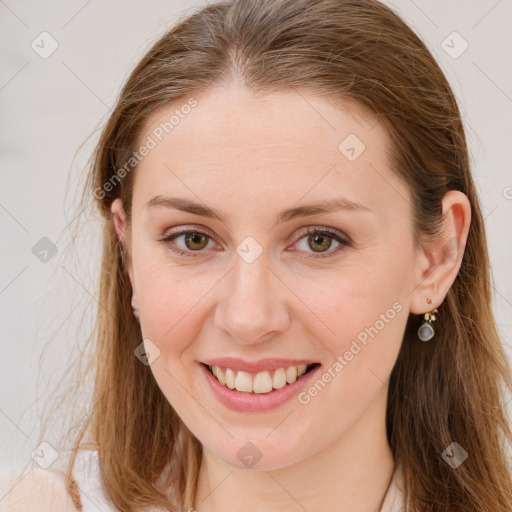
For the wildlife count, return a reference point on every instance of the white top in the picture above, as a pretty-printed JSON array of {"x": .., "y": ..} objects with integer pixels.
[
  {"x": 86, "y": 472},
  {"x": 43, "y": 490}
]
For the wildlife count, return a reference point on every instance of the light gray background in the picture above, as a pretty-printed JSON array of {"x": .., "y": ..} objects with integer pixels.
[{"x": 50, "y": 106}]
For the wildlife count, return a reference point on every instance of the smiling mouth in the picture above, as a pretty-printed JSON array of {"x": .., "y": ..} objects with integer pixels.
[{"x": 261, "y": 382}]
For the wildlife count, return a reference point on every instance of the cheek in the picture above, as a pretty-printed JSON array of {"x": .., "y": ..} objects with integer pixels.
[
  {"x": 344, "y": 305},
  {"x": 167, "y": 310},
  {"x": 171, "y": 304},
  {"x": 363, "y": 311},
  {"x": 368, "y": 335}
]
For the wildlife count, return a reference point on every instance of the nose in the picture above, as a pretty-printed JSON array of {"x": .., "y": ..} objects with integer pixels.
[{"x": 252, "y": 305}]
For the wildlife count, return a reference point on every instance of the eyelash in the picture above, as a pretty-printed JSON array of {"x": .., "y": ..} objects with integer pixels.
[{"x": 344, "y": 243}]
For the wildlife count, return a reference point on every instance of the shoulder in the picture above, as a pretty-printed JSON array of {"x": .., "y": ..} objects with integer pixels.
[
  {"x": 40, "y": 489},
  {"x": 395, "y": 498},
  {"x": 36, "y": 490}
]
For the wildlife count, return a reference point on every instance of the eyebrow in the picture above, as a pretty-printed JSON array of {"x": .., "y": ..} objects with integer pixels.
[{"x": 328, "y": 206}]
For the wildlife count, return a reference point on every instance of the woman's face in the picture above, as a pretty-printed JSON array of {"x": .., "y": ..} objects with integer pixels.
[{"x": 254, "y": 285}]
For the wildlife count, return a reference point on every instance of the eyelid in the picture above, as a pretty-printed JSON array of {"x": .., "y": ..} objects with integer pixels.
[
  {"x": 324, "y": 229},
  {"x": 184, "y": 229}
]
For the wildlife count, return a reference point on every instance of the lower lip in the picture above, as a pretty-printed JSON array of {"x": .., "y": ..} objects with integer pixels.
[{"x": 255, "y": 402}]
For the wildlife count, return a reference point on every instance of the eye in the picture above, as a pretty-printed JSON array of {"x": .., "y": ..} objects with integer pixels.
[
  {"x": 320, "y": 240},
  {"x": 193, "y": 240}
]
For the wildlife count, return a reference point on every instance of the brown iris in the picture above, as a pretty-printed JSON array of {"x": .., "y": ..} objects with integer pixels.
[
  {"x": 196, "y": 241},
  {"x": 320, "y": 240}
]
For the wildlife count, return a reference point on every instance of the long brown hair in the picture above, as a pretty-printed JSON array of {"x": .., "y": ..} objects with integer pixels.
[{"x": 450, "y": 390}]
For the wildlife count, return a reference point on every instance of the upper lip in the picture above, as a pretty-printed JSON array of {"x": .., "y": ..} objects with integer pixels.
[{"x": 255, "y": 366}]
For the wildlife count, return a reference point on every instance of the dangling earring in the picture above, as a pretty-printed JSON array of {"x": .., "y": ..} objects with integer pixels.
[{"x": 426, "y": 331}]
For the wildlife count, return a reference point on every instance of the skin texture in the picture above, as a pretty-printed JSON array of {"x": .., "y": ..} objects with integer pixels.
[{"x": 250, "y": 158}]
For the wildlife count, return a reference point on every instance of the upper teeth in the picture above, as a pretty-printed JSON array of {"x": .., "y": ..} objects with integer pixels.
[{"x": 262, "y": 382}]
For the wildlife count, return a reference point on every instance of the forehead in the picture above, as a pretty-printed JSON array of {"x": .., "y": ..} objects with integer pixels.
[
  {"x": 232, "y": 117},
  {"x": 282, "y": 145}
]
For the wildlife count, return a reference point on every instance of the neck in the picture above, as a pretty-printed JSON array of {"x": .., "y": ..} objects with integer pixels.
[{"x": 351, "y": 473}]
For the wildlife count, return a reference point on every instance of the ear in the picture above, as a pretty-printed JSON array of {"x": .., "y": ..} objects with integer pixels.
[
  {"x": 440, "y": 260},
  {"x": 119, "y": 218}
]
